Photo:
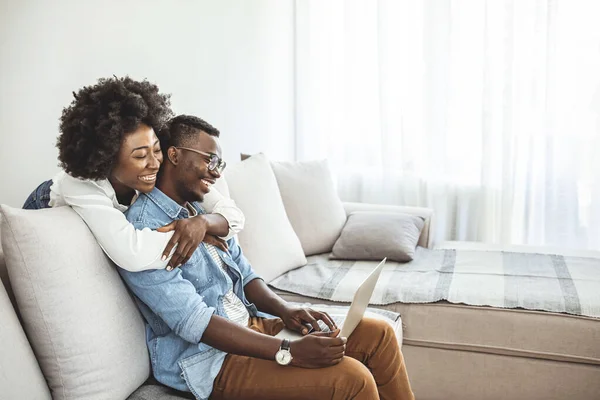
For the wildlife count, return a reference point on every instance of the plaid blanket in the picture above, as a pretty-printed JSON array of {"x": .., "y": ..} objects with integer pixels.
[{"x": 483, "y": 278}]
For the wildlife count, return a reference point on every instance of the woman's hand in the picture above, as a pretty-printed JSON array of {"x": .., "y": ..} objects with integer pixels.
[
  {"x": 297, "y": 319},
  {"x": 189, "y": 233},
  {"x": 216, "y": 241}
]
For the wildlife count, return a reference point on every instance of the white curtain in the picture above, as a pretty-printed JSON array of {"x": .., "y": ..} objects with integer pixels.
[{"x": 486, "y": 111}]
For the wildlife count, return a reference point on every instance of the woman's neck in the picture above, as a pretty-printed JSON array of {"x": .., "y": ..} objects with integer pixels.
[{"x": 124, "y": 193}]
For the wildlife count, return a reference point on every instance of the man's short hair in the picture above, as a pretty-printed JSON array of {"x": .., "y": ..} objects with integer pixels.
[{"x": 180, "y": 131}]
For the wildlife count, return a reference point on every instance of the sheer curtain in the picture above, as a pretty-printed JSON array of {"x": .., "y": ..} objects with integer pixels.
[{"x": 486, "y": 111}]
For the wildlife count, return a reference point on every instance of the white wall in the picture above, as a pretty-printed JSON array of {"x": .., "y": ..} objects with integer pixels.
[{"x": 228, "y": 61}]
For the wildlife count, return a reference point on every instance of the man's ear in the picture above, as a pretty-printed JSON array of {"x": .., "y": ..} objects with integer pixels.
[{"x": 172, "y": 155}]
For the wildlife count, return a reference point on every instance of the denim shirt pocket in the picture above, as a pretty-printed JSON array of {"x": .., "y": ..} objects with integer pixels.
[
  {"x": 200, "y": 370},
  {"x": 200, "y": 278}
]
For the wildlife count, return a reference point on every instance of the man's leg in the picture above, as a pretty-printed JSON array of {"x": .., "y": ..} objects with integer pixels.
[
  {"x": 374, "y": 344},
  {"x": 248, "y": 378}
]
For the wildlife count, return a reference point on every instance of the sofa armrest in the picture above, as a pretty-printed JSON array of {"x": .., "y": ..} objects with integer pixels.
[{"x": 425, "y": 240}]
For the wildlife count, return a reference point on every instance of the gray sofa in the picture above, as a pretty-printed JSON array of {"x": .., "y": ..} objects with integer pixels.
[{"x": 70, "y": 329}]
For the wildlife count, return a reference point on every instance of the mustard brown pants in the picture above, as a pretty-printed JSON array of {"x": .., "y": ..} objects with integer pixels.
[{"x": 373, "y": 368}]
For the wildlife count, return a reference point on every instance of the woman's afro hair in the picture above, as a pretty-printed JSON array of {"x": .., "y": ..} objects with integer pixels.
[{"x": 93, "y": 126}]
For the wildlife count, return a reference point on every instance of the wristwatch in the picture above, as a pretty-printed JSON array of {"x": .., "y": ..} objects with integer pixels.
[{"x": 284, "y": 356}]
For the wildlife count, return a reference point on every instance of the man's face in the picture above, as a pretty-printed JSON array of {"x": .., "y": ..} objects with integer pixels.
[{"x": 193, "y": 178}]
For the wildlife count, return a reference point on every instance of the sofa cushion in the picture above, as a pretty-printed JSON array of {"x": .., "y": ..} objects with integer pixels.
[
  {"x": 376, "y": 235},
  {"x": 20, "y": 377},
  {"x": 4, "y": 278},
  {"x": 82, "y": 323},
  {"x": 268, "y": 239},
  {"x": 311, "y": 203},
  {"x": 491, "y": 330}
]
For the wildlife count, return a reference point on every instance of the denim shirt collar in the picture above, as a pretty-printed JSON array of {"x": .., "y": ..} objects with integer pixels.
[{"x": 168, "y": 205}]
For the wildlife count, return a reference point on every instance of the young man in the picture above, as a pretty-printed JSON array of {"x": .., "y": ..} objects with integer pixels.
[{"x": 206, "y": 333}]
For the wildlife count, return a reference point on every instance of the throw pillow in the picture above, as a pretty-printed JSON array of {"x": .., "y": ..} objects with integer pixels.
[
  {"x": 374, "y": 235},
  {"x": 311, "y": 203},
  {"x": 83, "y": 325},
  {"x": 268, "y": 239}
]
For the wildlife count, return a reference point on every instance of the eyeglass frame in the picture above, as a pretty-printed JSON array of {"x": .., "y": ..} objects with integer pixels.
[{"x": 218, "y": 165}]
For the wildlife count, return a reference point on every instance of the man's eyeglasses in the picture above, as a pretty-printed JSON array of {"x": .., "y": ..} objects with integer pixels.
[{"x": 214, "y": 162}]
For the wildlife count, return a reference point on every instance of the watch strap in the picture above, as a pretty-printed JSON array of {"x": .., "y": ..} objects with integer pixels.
[{"x": 285, "y": 345}]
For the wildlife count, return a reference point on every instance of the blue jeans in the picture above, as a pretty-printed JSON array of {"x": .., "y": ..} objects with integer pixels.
[{"x": 39, "y": 198}]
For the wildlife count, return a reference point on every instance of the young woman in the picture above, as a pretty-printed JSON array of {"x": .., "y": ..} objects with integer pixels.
[{"x": 109, "y": 151}]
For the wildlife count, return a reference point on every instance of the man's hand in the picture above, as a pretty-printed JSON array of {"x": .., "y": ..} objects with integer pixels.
[
  {"x": 189, "y": 233},
  {"x": 297, "y": 318},
  {"x": 318, "y": 350}
]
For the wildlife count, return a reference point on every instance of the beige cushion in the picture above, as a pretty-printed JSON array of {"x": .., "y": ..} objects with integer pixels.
[
  {"x": 268, "y": 239},
  {"x": 83, "y": 325},
  {"x": 311, "y": 203},
  {"x": 375, "y": 235},
  {"x": 439, "y": 374},
  {"x": 20, "y": 375}
]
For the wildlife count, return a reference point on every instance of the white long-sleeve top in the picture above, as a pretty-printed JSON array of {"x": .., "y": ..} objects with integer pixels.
[{"x": 131, "y": 249}]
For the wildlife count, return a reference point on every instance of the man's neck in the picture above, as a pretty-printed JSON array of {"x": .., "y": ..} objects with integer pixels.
[{"x": 166, "y": 185}]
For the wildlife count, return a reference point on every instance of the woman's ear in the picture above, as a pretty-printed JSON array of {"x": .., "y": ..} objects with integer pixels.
[{"x": 172, "y": 155}]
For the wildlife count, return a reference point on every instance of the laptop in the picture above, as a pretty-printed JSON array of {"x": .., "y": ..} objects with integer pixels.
[{"x": 357, "y": 309}]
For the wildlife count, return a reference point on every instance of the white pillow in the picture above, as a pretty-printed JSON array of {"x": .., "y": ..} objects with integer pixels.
[
  {"x": 222, "y": 187},
  {"x": 311, "y": 202},
  {"x": 268, "y": 239},
  {"x": 83, "y": 325}
]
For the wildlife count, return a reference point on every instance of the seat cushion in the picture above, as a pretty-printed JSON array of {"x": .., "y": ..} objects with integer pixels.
[
  {"x": 513, "y": 332},
  {"x": 85, "y": 328}
]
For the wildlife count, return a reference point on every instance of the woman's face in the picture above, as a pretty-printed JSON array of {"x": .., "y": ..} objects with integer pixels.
[{"x": 138, "y": 161}]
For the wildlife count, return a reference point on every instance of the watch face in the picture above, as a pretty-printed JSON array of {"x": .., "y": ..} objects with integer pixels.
[{"x": 283, "y": 357}]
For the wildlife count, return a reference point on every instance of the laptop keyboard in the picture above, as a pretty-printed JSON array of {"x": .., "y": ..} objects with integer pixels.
[{"x": 339, "y": 321}]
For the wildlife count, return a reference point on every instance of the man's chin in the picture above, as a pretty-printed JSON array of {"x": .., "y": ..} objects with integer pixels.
[{"x": 199, "y": 197}]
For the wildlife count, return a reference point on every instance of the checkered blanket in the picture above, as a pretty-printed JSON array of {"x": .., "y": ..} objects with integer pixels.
[{"x": 483, "y": 278}]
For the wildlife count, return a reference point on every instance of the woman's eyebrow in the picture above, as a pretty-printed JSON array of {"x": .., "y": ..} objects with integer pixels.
[{"x": 144, "y": 147}]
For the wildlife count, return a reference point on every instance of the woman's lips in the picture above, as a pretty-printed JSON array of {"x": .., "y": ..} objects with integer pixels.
[{"x": 148, "y": 178}]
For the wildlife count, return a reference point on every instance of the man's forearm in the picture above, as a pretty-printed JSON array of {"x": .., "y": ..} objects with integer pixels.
[
  {"x": 217, "y": 225},
  {"x": 264, "y": 298},
  {"x": 232, "y": 338}
]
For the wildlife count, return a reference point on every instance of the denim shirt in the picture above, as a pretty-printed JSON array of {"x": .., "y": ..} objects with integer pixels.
[{"x": 179, "y": 304}]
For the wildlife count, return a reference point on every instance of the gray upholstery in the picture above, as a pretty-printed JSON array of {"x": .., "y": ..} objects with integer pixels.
[{"x": 152, "y": 390}]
